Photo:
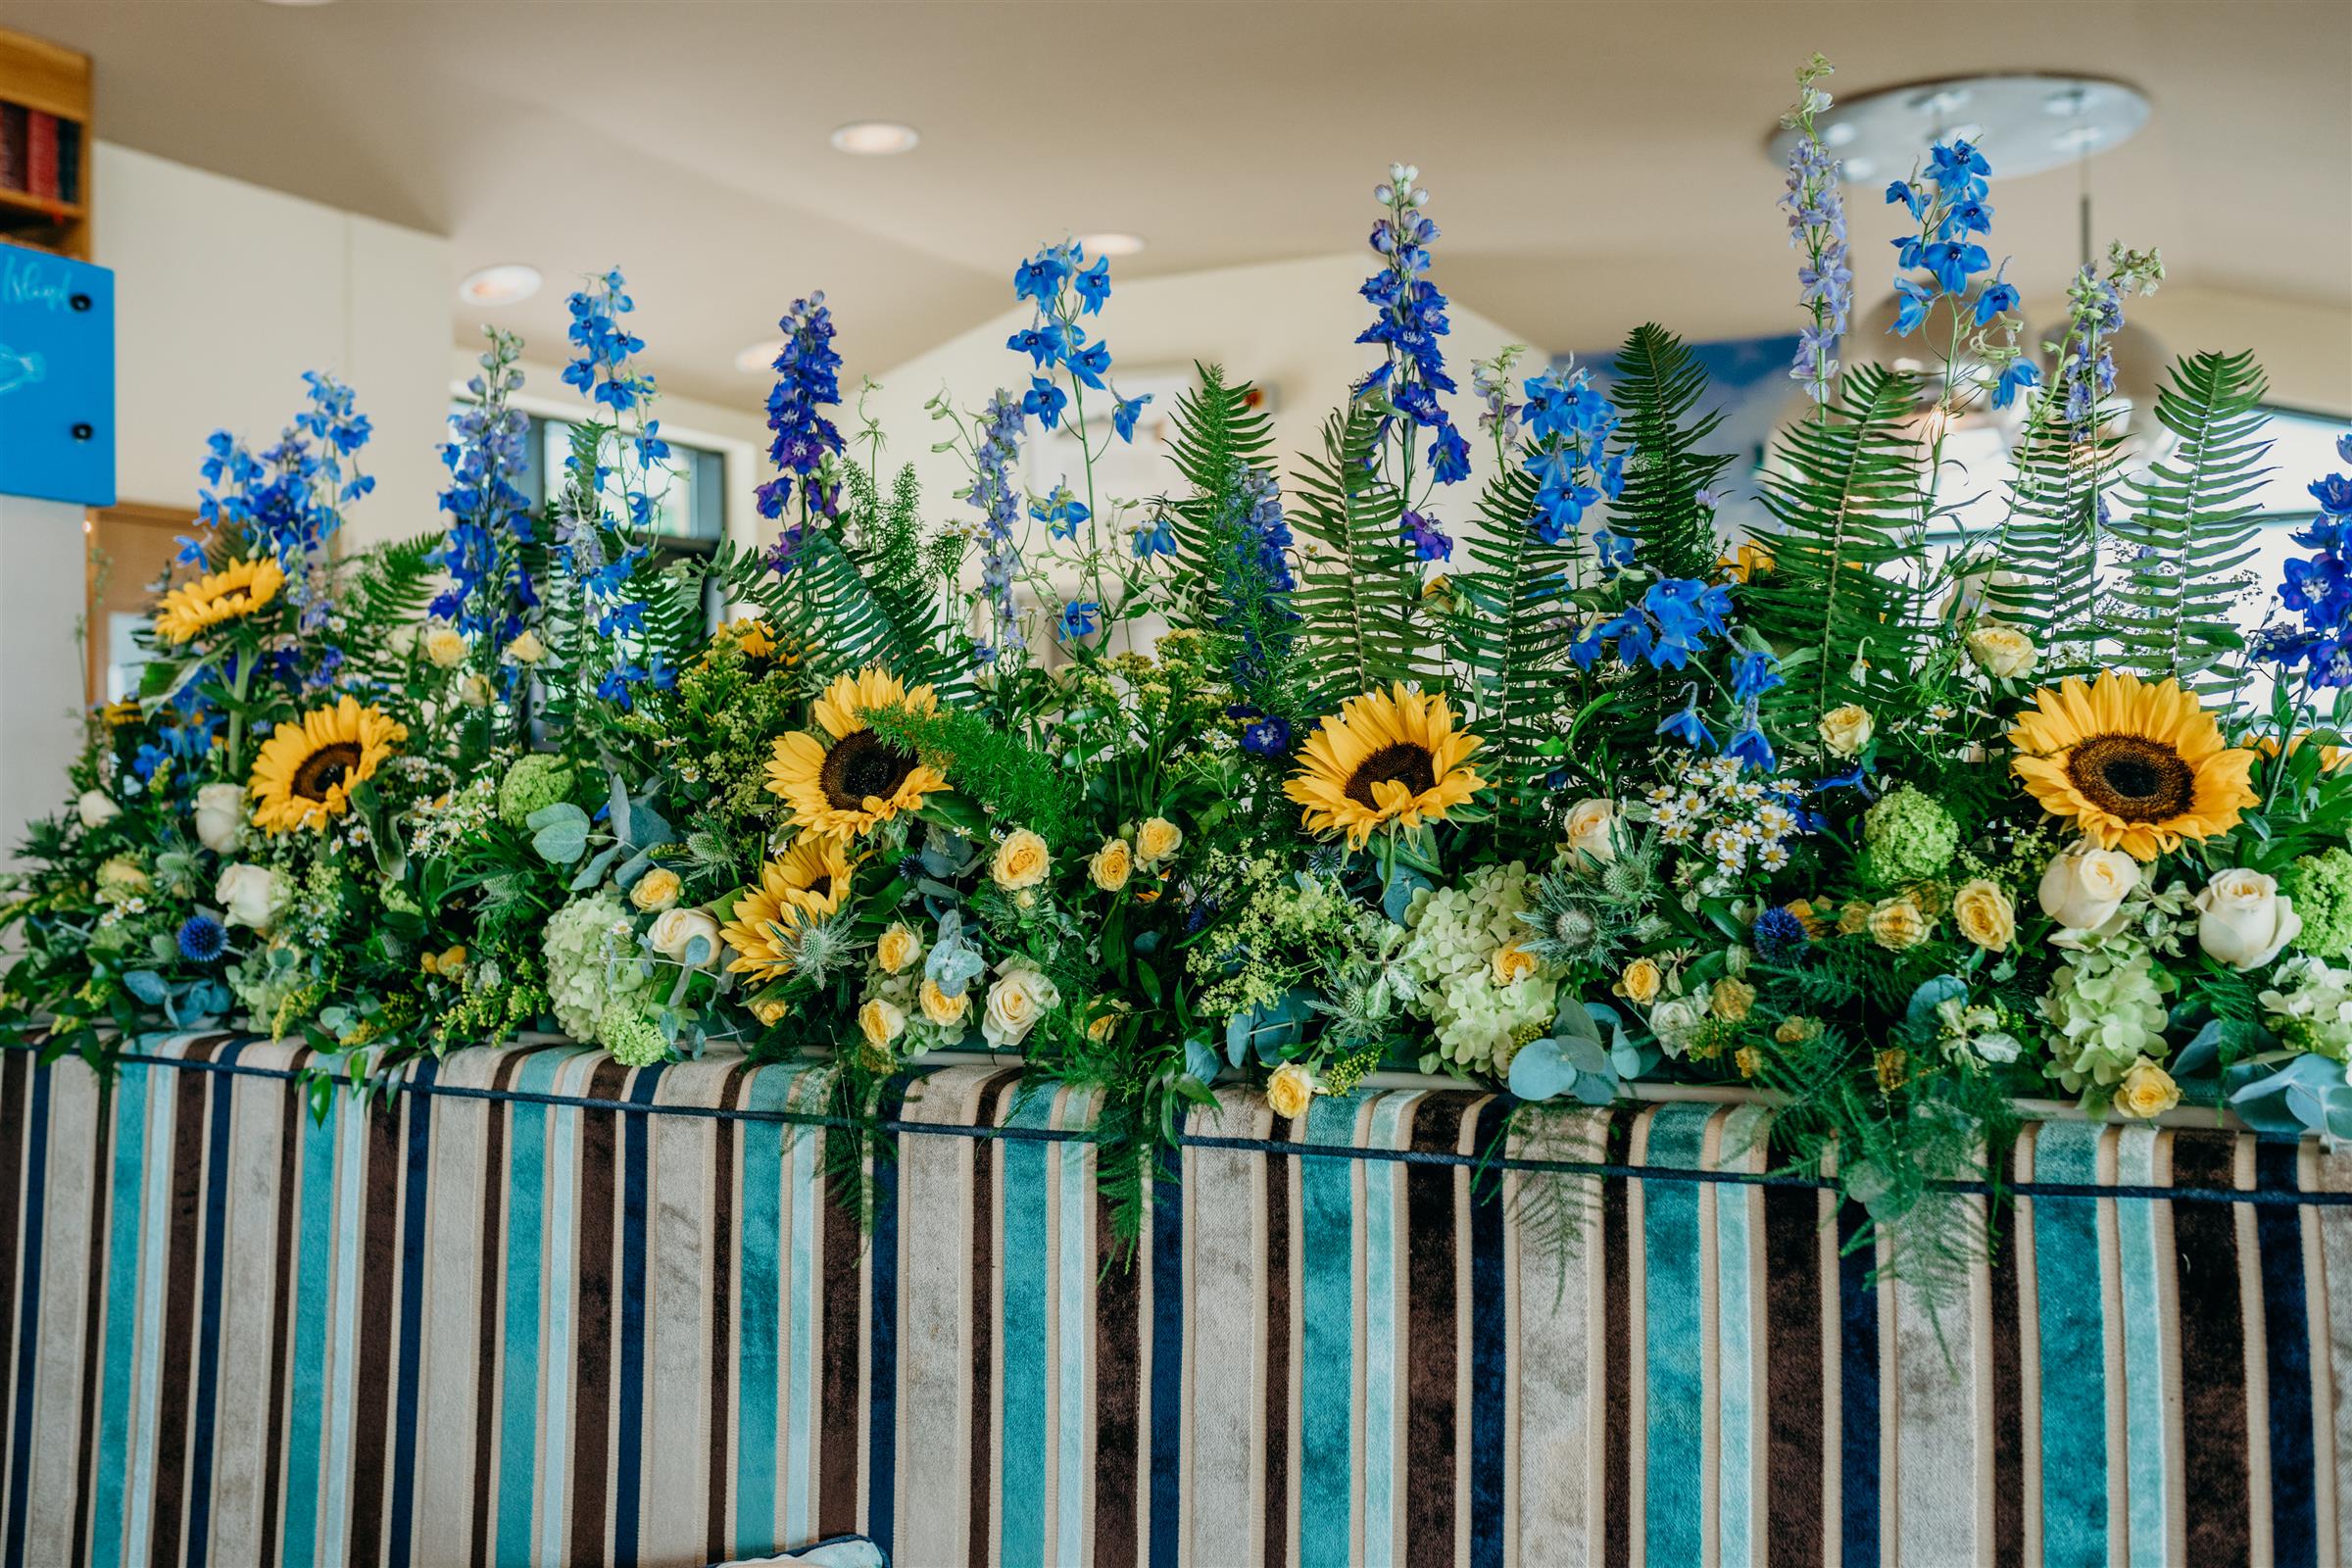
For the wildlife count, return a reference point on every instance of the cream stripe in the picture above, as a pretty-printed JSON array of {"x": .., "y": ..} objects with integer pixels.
[
  {"x": 249, "y": 1270},
  {"x": 1710, "y": 1370},
  {"x": 2258, "y": 1358},
  {"x": 674, "y": 1469},
  {"x": 1225, "y": 1352},
  {"x": 2327, "y": 1276},
  {"x": 1636, "y": 1318},
  {"x": 65, "y": 1306},
  {"x": 1359, "y": 1132},
  {"x": 448, "y": 1367}
]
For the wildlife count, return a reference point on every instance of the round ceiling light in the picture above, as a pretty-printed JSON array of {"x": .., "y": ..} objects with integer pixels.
[
  {"x": 2024, "y": 122},
  {"x": 875, "y": 138},
  {"x": 1111, "y": 244},
  {"x": 503, "y": 284},
  {"x": 757, "y": 357}
]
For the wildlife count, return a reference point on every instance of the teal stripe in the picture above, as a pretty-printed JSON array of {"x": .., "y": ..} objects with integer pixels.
[
  {"x": 809, "y": 1090},
  {"x": 762, "y": 1210},
  {"x": 314, "y": 1245},
  {"x": 1076, "y": 1324},
  {"x": 131, "y": 1084},
  {"x": 556, "y": 1370},
  {"x": 2073, "y": 1348},
  {"x": 1327, "y": 1362},
  {"x": 2147, "y": 1370},
  {"x": 1380, "y": 1334},
  {"x": 518, "y": 1416},
  {"x": 1672, "y": 1344},
  {"x": 154, "y": 1239},
  {"x": 351, "y": 1184},
  {"x": 1021, "y": 1464},
  {"x": 1735, "y": 1346}
]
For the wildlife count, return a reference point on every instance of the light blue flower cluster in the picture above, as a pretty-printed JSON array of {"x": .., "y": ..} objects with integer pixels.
[
  {"x": 490, "y": 594},
  {"x": 1670, "y": 623},
  {"x": 1568, "y": 425},
  {"x": 606, "y": 372},
  {"x": 807, "y": 381},
  {"x": 1409, "y": 318},
  {"x": 1816, "y": 208},
  {"x": 1949, "y": 205},
  {"x": 603, "y": 372}
]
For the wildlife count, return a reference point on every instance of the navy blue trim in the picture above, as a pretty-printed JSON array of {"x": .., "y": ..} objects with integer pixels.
[
  {"x": 2286, "y": 1334},
  {"x": 1857, "y": 1390},
  {"x": 408, "y": 1391},
  {"x": 1490, "y": 1370},
  {"x": 206, "y": 1414},
  {"x": 29, "y": 1317},
  {"x": 1167, "y": 1358},
  {"x": 628, "y": 1461},
  {"x": 882, "y": 1334}
]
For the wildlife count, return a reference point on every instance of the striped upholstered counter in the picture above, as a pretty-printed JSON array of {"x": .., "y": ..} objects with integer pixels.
[{"x": 545, "y": 1309}]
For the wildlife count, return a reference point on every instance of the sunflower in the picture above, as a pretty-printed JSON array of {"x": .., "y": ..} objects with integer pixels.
[
  {"x": 843, "y": 785},
  {"x": 2137, "y": 766},
  {"x": 756, "y": 641},
  {"x": 806, "y": 882},
  {"x": 1383, "y": 757},
  {"x": 306, "y": 768},
  {"x": 237, "y": 590}
]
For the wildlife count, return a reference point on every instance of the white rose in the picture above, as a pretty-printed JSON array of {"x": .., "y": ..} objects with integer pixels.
[
  {"x": 673, "y": 932},
  {"x": 2082, "y": 888},
  {"x": 247, "y": 894},
  {"x": 1593, "y": 829},
  {"x": 1846, "y": 730},
  {"x": 96, "y": 809},
  {"x": 1018, "y": 998},
  {"x": 220, "y": 813},
  {"x": 2242, "y": 920},
  {"x": 2002, "y": 652}
]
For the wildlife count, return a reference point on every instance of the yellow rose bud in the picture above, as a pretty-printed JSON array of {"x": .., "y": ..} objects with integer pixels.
[
  {"x": 1984, "y": 915},
  {"x": 898, "y": 948},
  {"x": 881, "y": 1022},
  {"x": 2148, "y": 1090},
  {"x": 1846, "y": 730},
  {"x": 444, "y": 647},
  {"x": 1021, "y": 860},
  {"x": 1642, "y": 982},
  {"x": 1896, "y": 924},
  {"x": 1749, "y": 1059},
  {"x": 1291, "y": 1089},
  {"x": 1104, "y": 1025},
  {"x": 939, "y": 1008},
  {"x": 770, "y": 1012},
  {"x": 1731, "y": 1000},
  {"x": 1513, "y": 964},
  {"x": 526, "y": 649},
  {"x": 1112, "y": 865},
  {"x": 658, "y": 889},
  {"x": 1157, "y": 839}
]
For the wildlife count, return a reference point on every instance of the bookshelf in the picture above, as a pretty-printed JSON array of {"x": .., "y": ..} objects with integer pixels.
[{"x": 45, "y": 140}]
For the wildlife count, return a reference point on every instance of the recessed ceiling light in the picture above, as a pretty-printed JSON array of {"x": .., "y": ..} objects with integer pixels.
[
  {"x": 1940, "y": 101},
  {"x": 503, "y": 284},
  {"x": 759, "y": 356},
  {"x": 1113, "y": 244},
  {"x": 1838, "y": 133},
  {"x": 875, "y": 138},
  {"x": 1861, "y": 168}
]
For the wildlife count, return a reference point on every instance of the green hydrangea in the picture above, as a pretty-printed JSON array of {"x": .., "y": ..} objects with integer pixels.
[
  {"x": 2104, "y": 1012},
  {"x": 538, "y": 779},
  {"x": 1456, "y": 932},
  {"x": 633, "y": 1038},
  {"x": 2322, "y": 886},
  {"x": 592, "y": 963},
  {"x": 1907, "y": 837}
]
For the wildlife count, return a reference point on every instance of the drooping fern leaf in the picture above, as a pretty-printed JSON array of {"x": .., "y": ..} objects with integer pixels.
[
  {"x": 387, "y": 586},
  {"x": 1515, "y": 641},
  {"x": 1359, "y": 587},
  {"x": 1845, "y": 492},
  {"x": 2192, "y": 520},
  {"x": 1657, "y": 393},
  {"x": 2041, "y": 568},
  {"x": 1219, "y": 437}
]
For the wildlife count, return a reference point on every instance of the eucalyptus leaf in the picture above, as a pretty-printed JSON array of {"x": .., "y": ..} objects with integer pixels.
[
  {"x": 562, "y": 843},
  {"x": 1541, "y": 1071},
  {"x": 1200, "y": 1059},
  {"x": 146, "y": 985},
  {"x": 594, "y": 872}
]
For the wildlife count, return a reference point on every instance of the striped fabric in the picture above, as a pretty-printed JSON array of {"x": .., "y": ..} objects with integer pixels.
[{"x": 545, "y": 1309}]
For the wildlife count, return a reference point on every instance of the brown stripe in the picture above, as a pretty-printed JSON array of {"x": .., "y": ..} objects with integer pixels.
[
  {"x": 487, "y": 1320},
  {"x": 15, "y": 1109},
  {"x": 1617, "y": 1350},
  {"x": 1793, "y": 1383},
  {"x": 1432, "y": 1356},
  {"x": 994, "y": 1096},
  {"x": 2008, "y": 1379},
  {"x": 1119, "y": 1388},
  {"x": 592, "y": 1313},
  {"x": 371, "y": 1386},
  {"x": 87, "y": 1441},
  {"x": 1281, "y": 1432},
  {"x": 844, "y": 1316},
  {"x": 717, "y": 1543},
  {"x": 281, "y": 1302},
  {"x": 2213, "y": 1355},
  {"x": 178, "y": 1351}
]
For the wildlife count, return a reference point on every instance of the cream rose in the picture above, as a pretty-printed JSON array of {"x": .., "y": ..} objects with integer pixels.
[
  {"x": 1513, "y": 964},
  {"x": 2148, "y": 1090},
  {"x": 1021, "y": 860},
  {"x": 1641, "y": 982},
  {"x": 1984, "y": 915},
  {"x": 474, "y": 689},
  {"x": 96, "y": 809},
  {"x": 2243, "y": 921},
  {"x": 1291, "y": 1089},
  {"x": 1158, "y": 839},
  {"x": 2002, "y": 652},
  {"x": 673, "y": 935},
  {"x": 881, "y": 1022},
  {"x": 219, "y": 815},
  {"x": 658, "y": 889},
  {"x": 898, "y": 948},
  {"x": 1112, "y": 865},
  {"x": 2083, "y": 887},
  {"x": 1897, "y": 924},
  {"x": 1591, "y": 830},
  {"x": 247, "y": 894},
  {"x": 1018, "y": 998},
  {"x": 122, "y": 876},
  {"x": 1846, "y": 730},
  {"x": 444, "y": 647},
  {"x": 526, "y": 648},
  {"x": 940, "y": 1009}
]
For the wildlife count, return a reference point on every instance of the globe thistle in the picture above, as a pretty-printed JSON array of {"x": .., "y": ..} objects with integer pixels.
[
  {"x": 202, "y": 939},
  {"x": 1779, "y": 938}
]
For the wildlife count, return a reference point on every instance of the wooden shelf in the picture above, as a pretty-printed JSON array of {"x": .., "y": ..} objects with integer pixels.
[
  {"x": 46, "y": 209},
  {"x": 56, "y": 81}
]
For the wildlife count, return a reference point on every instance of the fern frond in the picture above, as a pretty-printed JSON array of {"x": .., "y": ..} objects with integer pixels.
[
  {"x": 1658, "y": 391},
  {"x": 2044, "y": 559},
  {"x": 1515, "y": 642},
  {"x": 1359, "y": 587}
]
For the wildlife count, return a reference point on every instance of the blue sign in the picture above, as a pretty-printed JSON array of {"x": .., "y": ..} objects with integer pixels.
[{"x": 57, "y": 378}]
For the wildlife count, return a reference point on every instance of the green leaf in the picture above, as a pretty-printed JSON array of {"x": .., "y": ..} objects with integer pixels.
[{"x": 1658, "y": 391}]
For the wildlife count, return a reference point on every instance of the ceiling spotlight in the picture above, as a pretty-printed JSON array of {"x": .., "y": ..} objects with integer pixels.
[
  {"x": 1838, "y": 133},
  {"x": 757, "y": 357},
  {"x": 503, "y": 284},
  {"x": 875, "y": 138},
  {"x": 1113, "y": 244},
  {"x": 1940, "y": 101}
]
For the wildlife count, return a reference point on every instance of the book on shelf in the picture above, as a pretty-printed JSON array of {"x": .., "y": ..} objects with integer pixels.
[
  {"x": 13, "y": 136},
  {"x": 40, "y": 160},
  {"x": 68, "y": 162}
]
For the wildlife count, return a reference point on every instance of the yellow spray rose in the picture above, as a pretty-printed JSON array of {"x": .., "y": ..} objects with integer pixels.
[
  {"x": 2148, "y": 1090},
  {"x": 940, "y": 1009},
  {"x": 1846, "y": 730},
  {"x": 1021, "y": 860},
  {"x": 1156, "y": 840},
  {"x": 881, "y": 1022},
  {"x": 1291, "y": 1089},
  {"x": 1731, "y": 1000},
  {"x": 1513, "y": 964},
  {"x": 526, "y": 649},
  {"x": 658, "y": 889},
  {"x": 2002, "y": 652},
  {"x": 1984, "y": 915},
  {"x": 1112, "y": 865},
  {"x": 444, "y": 647},
  {"x": 898, "y": 948},
  {"x": 1897, "y": 924},
  {"x": 1642, "y": 982}
]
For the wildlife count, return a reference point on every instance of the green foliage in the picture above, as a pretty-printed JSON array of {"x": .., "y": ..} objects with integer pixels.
[
  {"x": 1845, "y": 491},
  {"x": 1657, "y": 392},
  {"x": 1220, "y": 439},
  {"x": 1358, "y": 596},
  {"x": 1005, "y": 774},
  {"x": 388, "y": 587},
  {"x": 1515, "y": 639},
  {"x": 2190, "y": 523},
  {"x": 2042, "y": 560}
]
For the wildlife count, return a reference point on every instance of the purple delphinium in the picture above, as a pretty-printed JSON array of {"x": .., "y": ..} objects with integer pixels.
[{"x": 1816, "y": 211}]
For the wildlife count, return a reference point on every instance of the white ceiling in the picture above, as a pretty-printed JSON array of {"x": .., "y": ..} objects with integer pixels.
[{"x": 1583, "y": 153}]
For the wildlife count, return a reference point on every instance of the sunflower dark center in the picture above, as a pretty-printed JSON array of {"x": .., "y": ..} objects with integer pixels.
[
  {"x": 1404, "y": 763},
  {"x": 2133, "y": 777},
  {"x": 862, "y": 763},
  {"x": 325, "y": 768}
]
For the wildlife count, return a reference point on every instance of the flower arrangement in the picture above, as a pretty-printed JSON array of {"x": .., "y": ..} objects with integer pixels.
[{"x": 1561, "y": 789}]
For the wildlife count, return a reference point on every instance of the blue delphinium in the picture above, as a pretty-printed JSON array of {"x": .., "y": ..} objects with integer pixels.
[
  {"x": 1427, "y": 541},
  {"x": 1568, "y": 424},
  {"x": 1156, "y": 535},
  {"x": 807, "y": 381},
  {"x": 2318, "y": 588},
  {"x": 996, "y": 444},
  {"x": 1816, "y": 210},
  {"x": 2085, "y": 371},
  {"x": 1684, "y": 726},
  {"x": 1063, "y": 287},
  {"x": 606, "y": 372},
  {"x": 1409, "y": 316},
  {"x": 202, "y": 939},
  {"x": 1670, "y": 623},
  {"x": 1062, "y": 512},
  {"x": 288, "y": 501},
  {"x": 1078, "y": 618},
  {"x": 490, "y": 594}
]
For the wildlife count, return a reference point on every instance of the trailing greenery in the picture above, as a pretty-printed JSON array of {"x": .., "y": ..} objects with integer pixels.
[{"x": 1002, "y": 773}]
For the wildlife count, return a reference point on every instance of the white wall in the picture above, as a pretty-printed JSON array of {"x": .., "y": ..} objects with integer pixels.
[
  {"x": 225, "y": 293},
  {"x": 43, "y": 546}
]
